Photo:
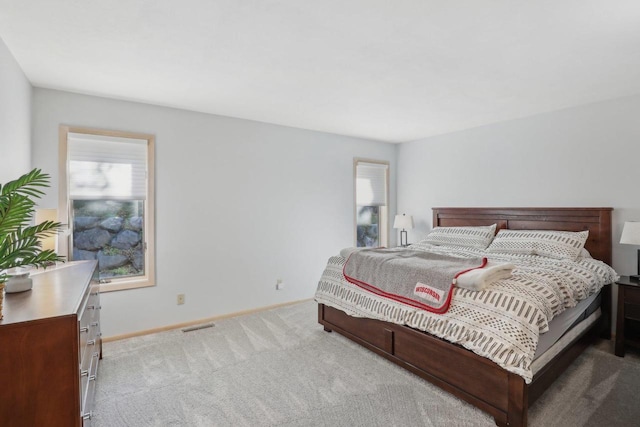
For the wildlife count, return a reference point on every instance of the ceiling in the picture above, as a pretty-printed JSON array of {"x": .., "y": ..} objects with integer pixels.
[{"x": 379, "y": 69}]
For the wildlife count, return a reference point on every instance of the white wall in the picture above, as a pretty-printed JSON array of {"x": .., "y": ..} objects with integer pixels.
[
  {"x": 584, "y": 156},
  {"x": 239, "y": 204},
  {"x": 15, "y": 118}
]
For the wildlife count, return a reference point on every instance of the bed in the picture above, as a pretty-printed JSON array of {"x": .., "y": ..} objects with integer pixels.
[{"x": 501, "y": 393}]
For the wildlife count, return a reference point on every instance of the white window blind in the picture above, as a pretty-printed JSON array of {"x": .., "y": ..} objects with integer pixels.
[
  {"x": 371, "y": 184},
  {"x": 105, "y": 167}
]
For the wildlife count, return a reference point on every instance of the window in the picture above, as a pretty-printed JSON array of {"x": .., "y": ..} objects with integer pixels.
[
  {"x": 371, "y": 188},
  {"x": 106, "y": 197}
]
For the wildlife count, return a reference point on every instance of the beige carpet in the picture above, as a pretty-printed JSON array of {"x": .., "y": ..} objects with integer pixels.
[{"x": 279, "y": 368}]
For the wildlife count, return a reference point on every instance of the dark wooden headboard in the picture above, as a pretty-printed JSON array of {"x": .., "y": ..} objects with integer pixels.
[{"x": 596, "y": 220}]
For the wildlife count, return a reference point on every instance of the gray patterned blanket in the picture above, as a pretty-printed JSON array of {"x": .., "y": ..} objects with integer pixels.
[{"x": 417, "y": 278}]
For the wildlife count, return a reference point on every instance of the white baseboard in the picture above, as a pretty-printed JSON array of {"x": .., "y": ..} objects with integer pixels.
[{"x": 199, "y": 321}]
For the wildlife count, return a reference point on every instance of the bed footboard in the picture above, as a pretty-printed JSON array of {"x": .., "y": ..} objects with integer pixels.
[
  {"x": 477, "y": 380},
  {"x": 462, "y": 373}
]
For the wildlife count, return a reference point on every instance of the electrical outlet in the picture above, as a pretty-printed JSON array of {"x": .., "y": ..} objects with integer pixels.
[
  {"x": 180, "y": 299},
  {"x": 279, "y": 285}
]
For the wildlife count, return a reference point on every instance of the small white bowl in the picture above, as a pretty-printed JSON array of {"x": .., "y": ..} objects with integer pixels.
[{"x": 18, "y": 282}]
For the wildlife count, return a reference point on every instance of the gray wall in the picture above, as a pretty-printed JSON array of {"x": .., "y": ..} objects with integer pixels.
[
  {"x": 15, "y": 117},
  {"x": 239, "y": 204},
  {"x": 585, "y": 156}
]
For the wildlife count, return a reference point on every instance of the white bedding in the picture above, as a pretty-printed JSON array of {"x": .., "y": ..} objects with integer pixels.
[{"x": 502, "y": 323}]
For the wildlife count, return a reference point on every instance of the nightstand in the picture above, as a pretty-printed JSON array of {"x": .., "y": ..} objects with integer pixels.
[{"x": 628, "y": 319}]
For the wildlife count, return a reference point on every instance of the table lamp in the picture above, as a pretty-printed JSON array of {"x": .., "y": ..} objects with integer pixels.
[
  {"x": 403, "y": 221},
  {"x": 631, "y": 236},
  {"x": 42, "y": 215}
]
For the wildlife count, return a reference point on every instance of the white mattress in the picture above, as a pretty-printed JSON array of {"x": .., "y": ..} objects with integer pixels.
[
  {"x": 561, "y": 324},
  {"x": 563, "y": 342}
]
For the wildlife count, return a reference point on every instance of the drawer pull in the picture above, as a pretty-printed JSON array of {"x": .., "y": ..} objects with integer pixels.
[
  {"x": 94, "y": 323},
  {"x": 92, "y": 377},
  {"x": 84, "y": 373},
  {"x": 96, "y": 354},
  {"x": 84, "y": 329},
  {"x": 91, "y": 342},
  {"x": 87, "y": 416}
]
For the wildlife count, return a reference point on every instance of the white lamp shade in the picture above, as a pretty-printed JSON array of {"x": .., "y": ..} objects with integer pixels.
[
  {"x": 630, "y": 233},
  {"x": 403, "y": 221},
  {"x": 41, "y": 216}
]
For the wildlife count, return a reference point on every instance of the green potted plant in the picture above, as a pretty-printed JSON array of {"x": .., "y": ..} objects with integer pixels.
[{"x": 19, "y": 240}]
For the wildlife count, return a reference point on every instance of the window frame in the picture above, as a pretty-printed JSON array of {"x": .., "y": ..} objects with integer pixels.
[
  {"x": 383, "y": 239},
  {"x": 64, "y": 211}
]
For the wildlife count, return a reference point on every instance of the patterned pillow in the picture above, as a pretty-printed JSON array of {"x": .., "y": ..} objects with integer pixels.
[
  {"x": 467, "y": 237},
  {"x": 552, "y": 244}
]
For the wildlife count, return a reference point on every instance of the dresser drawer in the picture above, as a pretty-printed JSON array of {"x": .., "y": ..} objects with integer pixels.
[
  {"x": 91, "y": 346},
  {"x": 89, "y": 323},
  {"x": 632, "y": 296},
  {"x": 89, "y": 387},
  {"x": 83, "y": 330},
  {"x": 632, "y": 311},
  {"x": 93, "y": 305}
]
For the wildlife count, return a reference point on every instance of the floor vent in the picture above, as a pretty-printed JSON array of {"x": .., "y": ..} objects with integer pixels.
[{"x": 197, "y": 327}]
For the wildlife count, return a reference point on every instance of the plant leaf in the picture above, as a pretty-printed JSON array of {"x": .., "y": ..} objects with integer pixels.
[{"x": 19, "y": 241}]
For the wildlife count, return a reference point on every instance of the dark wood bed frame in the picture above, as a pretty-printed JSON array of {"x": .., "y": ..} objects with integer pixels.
[{"x": 473, "y": 378}]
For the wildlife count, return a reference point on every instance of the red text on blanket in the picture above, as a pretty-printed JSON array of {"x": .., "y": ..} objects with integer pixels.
[{"x": 429, "y": 293}]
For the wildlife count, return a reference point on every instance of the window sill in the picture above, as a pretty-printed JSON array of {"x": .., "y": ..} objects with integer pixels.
[{"x": 123, "y": 284}]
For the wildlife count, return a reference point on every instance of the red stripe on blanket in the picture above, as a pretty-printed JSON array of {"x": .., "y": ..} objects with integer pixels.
[{"x": 409, "y": 301}]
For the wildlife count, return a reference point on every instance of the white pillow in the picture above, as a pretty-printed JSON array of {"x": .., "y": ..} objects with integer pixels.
[
  {"x": 584, "y": 253},
  {"x": 466, "y": 237},
  {"x": 548, "y": 243}
]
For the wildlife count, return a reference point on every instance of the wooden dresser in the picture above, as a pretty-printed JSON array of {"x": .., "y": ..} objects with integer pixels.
[{"x": 50, "y": 347}]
